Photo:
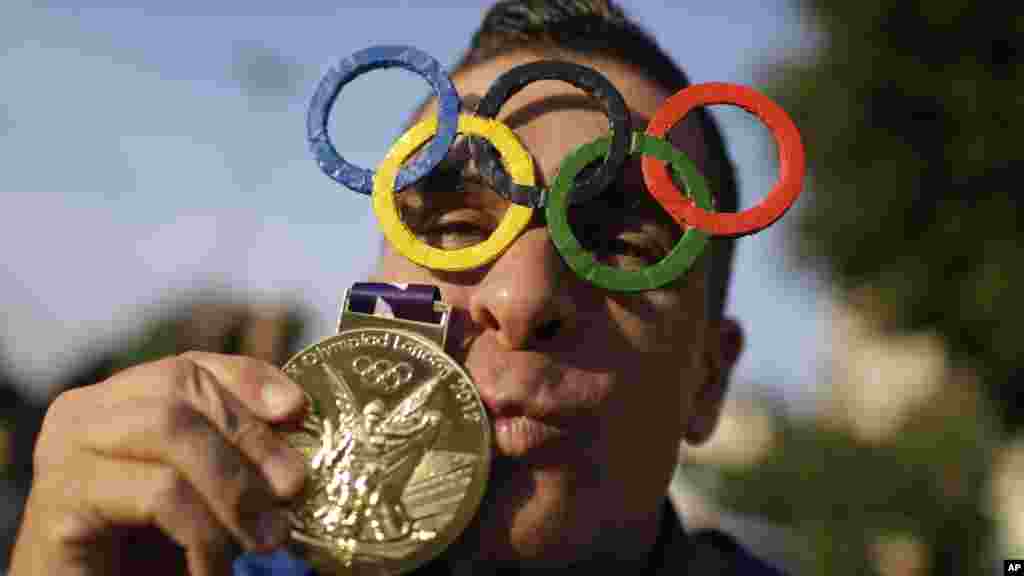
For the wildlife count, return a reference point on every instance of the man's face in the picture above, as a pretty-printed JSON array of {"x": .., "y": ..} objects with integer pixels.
[{"x": 590, "y": 391}]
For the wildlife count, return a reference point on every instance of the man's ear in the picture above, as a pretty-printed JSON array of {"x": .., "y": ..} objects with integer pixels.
[{"x": 725, "y": 340}]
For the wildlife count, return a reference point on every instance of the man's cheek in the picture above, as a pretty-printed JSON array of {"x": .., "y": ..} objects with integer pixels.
[
  {"x": 639, "y": 331},
  {"x": 395, "y": 268}
]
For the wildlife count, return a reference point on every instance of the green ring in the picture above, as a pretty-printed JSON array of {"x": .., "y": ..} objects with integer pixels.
[{"x": 678, "y": 261}]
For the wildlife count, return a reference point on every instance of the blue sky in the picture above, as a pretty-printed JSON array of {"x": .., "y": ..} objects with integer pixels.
[{"x": 150, "y": 148}]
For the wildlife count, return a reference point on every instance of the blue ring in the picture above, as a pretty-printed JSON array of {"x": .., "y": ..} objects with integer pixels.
[{"x": 411, "y": 59}]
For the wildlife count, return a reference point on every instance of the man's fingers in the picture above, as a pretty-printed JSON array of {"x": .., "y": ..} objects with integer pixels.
[
  {"x": 182, "y": 445},
  {"x": 212, "y": 384},
  {"x": 176, "y": 434},
  {"x": 262, "y": 388},
  {"x": 204, "y": 387},
  {"x": 225, "y": 389},
  {"x": 132, "y": 492}
]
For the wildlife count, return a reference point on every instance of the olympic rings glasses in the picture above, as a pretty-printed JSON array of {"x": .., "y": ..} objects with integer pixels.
[{"x": 508, "y": 168}]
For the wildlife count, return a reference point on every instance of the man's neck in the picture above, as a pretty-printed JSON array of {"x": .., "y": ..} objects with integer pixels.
[{"x": 632, "y": 551}]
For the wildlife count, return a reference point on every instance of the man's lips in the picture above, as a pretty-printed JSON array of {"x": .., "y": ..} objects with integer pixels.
[
  {"x": 532, "y": 401},
  {"x": 525, "y": 416},
  {"x": 517, "y": 436}
]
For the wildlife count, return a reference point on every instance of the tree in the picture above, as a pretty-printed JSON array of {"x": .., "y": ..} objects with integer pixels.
[
  {"x": 912, "y": 119},
  {"x": 911, "y": 114}
]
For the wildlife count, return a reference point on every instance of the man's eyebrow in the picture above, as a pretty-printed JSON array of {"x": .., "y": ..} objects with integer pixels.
[
  {"x": 537, "y": 108},
  {"x": 456, "y": 160},
  {"x": 527, "y": 113}
]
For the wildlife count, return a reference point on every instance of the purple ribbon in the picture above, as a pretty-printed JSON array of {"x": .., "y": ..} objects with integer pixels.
[{"x": 404, "y": 301}]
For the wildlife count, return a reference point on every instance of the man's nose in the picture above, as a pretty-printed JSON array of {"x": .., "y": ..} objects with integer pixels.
[{"x": 525, "y": 296}]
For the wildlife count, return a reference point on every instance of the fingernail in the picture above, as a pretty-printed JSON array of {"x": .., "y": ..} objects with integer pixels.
[
  {"x": 275, "y": 526},
  {"x": 279, "y": 396},
  {"x": 286, "y": 470}
]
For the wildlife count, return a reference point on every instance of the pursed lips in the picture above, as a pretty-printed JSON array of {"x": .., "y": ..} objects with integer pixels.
[{"x": 531, "y": 401}]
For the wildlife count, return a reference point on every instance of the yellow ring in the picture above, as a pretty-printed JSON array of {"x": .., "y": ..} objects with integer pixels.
[{"x": 518, "y": 164}]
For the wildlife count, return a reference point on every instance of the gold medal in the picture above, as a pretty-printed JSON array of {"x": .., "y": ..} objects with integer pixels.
[{"x": 397, "y": 443}]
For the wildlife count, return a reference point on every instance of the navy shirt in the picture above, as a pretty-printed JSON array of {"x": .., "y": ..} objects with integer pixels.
[{"x": 677, "y": 553}]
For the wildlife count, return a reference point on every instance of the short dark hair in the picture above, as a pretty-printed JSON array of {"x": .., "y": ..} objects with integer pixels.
[{"x": 601, "y": 28}]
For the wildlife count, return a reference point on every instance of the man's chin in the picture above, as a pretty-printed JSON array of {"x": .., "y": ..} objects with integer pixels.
[{"x": 519, "y": 519}]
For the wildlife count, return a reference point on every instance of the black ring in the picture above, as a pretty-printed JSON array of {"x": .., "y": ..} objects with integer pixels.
[{"x": 587, "y": 79}]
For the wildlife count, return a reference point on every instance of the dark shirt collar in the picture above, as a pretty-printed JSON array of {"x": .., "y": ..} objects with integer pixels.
[
  {"x": 674, "y": 552},
  {"x": 669, "y": 555}
]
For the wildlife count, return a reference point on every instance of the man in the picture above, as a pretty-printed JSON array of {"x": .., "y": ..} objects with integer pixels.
[{"x": 589, "y": 391}]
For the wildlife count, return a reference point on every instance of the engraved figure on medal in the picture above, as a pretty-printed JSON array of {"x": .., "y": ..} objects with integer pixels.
[{"x": 379, "y": 487}]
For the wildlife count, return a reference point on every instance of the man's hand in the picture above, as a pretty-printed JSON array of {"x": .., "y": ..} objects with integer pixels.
[{"x": 166, "y": 463}]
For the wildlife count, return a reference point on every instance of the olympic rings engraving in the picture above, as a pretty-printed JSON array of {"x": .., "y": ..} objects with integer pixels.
[
  {"x": 512, "y": 176},
  {"x": 382, "y": 375}
]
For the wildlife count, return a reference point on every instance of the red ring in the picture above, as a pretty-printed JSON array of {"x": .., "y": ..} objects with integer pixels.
[{"x": 792, "y": 161}]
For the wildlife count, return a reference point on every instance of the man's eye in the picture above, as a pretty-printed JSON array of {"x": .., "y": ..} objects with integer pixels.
[
  {"x": 455, "y": 234},
  {"x": 635, "y": 252},
  {"x": 628, "y": 251}
]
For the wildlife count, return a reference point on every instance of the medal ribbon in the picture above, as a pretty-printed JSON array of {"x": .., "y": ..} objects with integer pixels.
[{"x": 403, "y": 301}]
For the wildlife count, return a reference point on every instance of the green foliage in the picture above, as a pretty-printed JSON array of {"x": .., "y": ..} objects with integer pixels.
[
  {"x": 912, "y": 120},
  {"x": 840, "y": 494}
]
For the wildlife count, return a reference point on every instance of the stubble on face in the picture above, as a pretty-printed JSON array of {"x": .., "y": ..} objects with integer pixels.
[{"x": 641, "y": 356}]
